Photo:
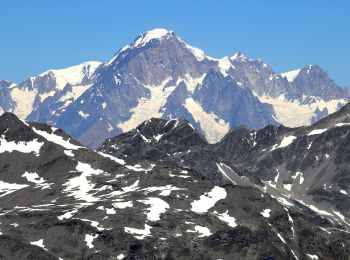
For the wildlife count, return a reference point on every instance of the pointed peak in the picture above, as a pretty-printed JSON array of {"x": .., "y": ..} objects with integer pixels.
[
  {"x": 158, "y": 33},
  {"x": 291, "y": 75},
  {"x": 225, "y": 65},
  {"x": 311, "y": 67},
  {"x": 14, "y": 128},
  {"x": 8, "y": 116},
  {"x": 238, "y": 56},
  {"x": 142, "y": 40}
]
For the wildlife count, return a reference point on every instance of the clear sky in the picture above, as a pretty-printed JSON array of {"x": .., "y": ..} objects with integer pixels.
[{"x": 38, "y": 35}]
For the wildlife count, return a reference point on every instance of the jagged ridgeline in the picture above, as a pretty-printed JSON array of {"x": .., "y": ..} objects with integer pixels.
[
  {"x": 161, "y": 191},
  {"x": 160, "y": 75}
]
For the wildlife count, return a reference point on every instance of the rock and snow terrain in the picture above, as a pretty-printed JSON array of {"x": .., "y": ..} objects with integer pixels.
[
  {"x": 161, "y": 191},
  {"x": 159, "y": 75}
]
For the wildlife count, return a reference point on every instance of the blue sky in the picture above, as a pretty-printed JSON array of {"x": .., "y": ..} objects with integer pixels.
[{"x": 38, "y": 35}]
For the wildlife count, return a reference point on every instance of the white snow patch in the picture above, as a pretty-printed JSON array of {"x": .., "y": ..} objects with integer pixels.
[
  {"x": 139, "y": 233},
  {"x": 287, "y": 140},
  {"x": 80, "y": 186},
  {"x": 158, "y": 137},
  {"x": 7, "y": 188},
  {"x": 89, "y": 239},
  {"x": 39, "y": 243},
  {"x": 73, "y": 95},
  {"x": 68, "y": 214},
  {"x": 148, "y": 108},
  {"x": 46, "y": 95},
  {"x": 35, "y": 178},
  {"x": 57, "y": 139},
  {"x": 208, "y": 200},
  {"x": 213, "y": 127},
  {"x": 225, "y": 217},
  {"x": 24, "y": 99},
  {"x": 73, "y": 75},
  {"x": 291, "y": 75},
  {"x": 301, "y": 178},
  {"x": 287, "y": 186},
  {"x": 109, "y": 211},
  {"x": 223, "y": 172},
  {"x": 198, "y": 53},
  {"x": 69, "y": 153},
  {"x": 165, "y": 190},
  {"x": 224, "y": 65},
  {"x": 280, "y": 237},
  {"x": 157, "y": 33},
  {"x": 344, "y": 192},
  {"x": 130, "y": 188},
  {"x": 312, "y": 256},
  {"x": 83, "y": 115},
  {"x": 120, "y": 257},
  {"x": 158, "y": 207},
  {"x": 266, "y": 213},
  {"x": 204, "y": 231},
  {"x": 341, "y": 124},
  {"x": 317, "y": 131},
  {"x": 117, "y": 160},
  {"x": 23, "y": 147},
  {"x": 192, "y": 83},
  {"x": 123, "y": 204},
  {"x": 293, "y": 113},
  {"x": 295, "y": 256},
  {"x": 285, "y": 202}
]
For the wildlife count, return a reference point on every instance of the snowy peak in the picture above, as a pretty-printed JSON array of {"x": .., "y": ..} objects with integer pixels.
[
  {"x": 291, "y": 75},
  {"x": 155, "y": 34},
  {"x": 73, "y": 75},
  {"x": 238, "y": 56}
]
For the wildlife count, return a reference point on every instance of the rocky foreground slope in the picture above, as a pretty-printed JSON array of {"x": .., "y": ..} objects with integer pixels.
[{"x": 161, "y": 191}]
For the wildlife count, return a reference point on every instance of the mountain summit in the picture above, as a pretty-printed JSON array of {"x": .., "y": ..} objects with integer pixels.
[{"x": 160, "y": 75}]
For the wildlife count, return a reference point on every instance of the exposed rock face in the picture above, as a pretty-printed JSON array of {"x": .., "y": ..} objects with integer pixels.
[
  {"x": 159, "y": 75},
  {"x": 161, "y": 191},
  {"x": 308, "y": 164},
  {"x": 313, "y": 81},
  {"x": 5, "y": 99}
]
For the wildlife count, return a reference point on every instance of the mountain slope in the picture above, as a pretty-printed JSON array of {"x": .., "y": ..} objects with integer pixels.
[
  {"x": 307, "y": 164},
  {"x": 128, "y": 201}
]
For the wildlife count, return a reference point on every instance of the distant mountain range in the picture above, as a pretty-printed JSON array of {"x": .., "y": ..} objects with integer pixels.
[
  {"x": 159, "y": 75},
  {"x": 161, "y": 191}
]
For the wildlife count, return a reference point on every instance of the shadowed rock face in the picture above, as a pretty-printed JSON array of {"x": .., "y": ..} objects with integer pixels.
[
  {"x": 158, "y": 191},
  {"x": 159, "y": 75},
  {"x": 5, "y": 99},
  {"x": 314, "y": 81},
  {"x": 309, "y": 164}
]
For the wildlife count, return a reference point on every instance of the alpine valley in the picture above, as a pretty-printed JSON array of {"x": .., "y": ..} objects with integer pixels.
[
  {"x": 166, "y": 153},
  {"x": 159, "y": 75}
]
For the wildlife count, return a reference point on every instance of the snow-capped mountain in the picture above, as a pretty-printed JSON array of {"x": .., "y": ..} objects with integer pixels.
[
  {"x": 160, "y": 191},
  {"x": 25, "y": 98},
  {"x": 160, "y": 75}
]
